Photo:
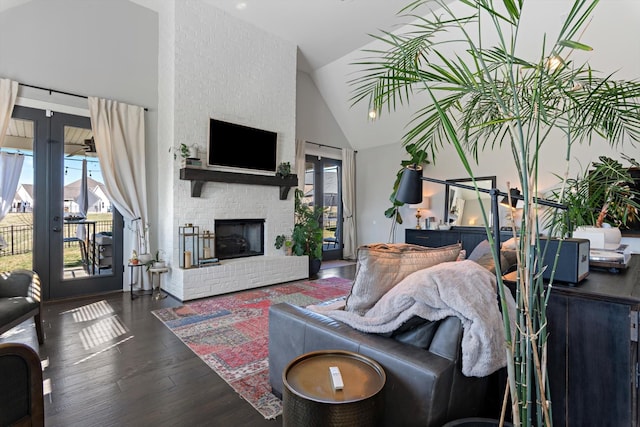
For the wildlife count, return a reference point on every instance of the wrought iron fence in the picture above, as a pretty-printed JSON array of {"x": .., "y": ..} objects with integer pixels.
[{"x": 19, "y": 238}]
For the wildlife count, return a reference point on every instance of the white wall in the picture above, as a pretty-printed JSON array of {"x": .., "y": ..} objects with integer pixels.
[{"x": 314, "y": 120}]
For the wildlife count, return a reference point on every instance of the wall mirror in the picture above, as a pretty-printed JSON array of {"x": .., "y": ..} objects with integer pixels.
[{"x": 462, "y": 207}]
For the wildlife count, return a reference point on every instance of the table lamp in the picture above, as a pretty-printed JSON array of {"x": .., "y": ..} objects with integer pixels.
[{"x": 425, "y": 204}]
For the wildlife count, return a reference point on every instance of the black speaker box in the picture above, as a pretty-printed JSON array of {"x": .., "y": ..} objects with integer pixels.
[{"x": 573, "y": 259}]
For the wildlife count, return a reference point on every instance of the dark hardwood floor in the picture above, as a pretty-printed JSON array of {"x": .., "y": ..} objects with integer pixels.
[{"x": 109, "y": 362}]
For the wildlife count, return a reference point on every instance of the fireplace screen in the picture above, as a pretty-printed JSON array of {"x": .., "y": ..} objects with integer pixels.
[{"x": 236, "y": 238}]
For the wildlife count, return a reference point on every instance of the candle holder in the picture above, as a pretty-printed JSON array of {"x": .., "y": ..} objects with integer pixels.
[
  {"x": 208, "y": 245},
  {"x": 188, "y": 245}
]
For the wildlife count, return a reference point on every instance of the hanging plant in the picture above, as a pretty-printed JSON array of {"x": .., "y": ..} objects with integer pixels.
[{"x": 417, "y": 157}]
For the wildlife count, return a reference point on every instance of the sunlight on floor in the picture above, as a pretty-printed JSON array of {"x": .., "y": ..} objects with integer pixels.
[
  {"x": 90, "y": 311},
  {"x": 102, "y": 331},
  {"x": 103, "y": 350}
]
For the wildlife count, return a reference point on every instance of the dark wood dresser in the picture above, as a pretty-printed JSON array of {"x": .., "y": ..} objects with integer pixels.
[
  {"x": 593, "y": 340},
  {"x": 468, "y": 236}
]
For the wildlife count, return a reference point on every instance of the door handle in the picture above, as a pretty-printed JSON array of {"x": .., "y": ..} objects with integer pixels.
[{"x": 56, "y": 229}]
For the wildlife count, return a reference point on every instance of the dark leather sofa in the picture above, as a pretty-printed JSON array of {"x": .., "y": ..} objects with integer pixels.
[
  {"x": 20, "y": 300},
  {"x": 425, "y": 386}
]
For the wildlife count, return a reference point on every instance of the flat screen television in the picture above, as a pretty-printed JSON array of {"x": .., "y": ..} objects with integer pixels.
[{"x": 236, "y": 146}]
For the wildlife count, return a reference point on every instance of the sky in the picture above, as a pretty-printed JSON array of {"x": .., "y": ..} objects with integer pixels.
[{"x": 73, "y": 166}]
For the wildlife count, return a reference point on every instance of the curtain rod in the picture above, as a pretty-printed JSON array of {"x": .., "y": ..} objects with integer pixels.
[
  {"x": 328, "y": 146},
  {"x": 59, "y": 91}
]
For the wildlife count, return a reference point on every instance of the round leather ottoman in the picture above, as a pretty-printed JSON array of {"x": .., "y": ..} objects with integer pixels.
[{"x": 309, "y": 398}]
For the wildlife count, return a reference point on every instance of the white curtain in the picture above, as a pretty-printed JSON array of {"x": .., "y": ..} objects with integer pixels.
[
  {"x": 10, "y": 170},
  {"x": 8, "y": 94},
  {"x": 349, "y": 203},
  {"x": 300, "y": 163},
  {"x": 118, "y": 130}
]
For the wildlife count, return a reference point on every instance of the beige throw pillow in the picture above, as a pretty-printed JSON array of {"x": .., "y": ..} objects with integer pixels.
[{"x": 381, "y": 266}]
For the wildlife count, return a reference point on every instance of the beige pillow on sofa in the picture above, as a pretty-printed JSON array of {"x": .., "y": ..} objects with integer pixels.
[{"x": 381, "y": 266}]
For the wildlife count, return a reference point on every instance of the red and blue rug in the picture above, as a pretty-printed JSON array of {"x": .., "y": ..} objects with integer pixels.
[{"x": 230, "y": 333}]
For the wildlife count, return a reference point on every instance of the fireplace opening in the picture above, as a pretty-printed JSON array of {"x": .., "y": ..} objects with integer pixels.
[{"x": 237, "y": 238}]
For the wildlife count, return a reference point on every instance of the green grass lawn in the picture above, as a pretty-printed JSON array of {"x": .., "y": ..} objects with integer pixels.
[{"x": 72, "y": 257}]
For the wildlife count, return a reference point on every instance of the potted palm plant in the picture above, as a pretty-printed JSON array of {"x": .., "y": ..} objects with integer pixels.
[{"x": 479, "y": 93}]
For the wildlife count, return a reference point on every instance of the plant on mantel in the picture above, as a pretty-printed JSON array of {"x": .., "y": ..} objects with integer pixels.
[{"x": 481, "y": 96}]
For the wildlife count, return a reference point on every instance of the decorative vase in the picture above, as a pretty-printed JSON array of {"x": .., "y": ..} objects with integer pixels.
[{"x": 159, "y": 264}]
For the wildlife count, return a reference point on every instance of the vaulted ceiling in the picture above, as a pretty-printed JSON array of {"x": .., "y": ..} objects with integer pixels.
[{"x": 330, "y": 35}]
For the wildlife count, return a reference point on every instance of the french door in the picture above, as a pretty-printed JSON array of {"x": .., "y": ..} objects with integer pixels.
[
  {"x": 323, "y": 188},
  {"x": 76, "y": 242}
]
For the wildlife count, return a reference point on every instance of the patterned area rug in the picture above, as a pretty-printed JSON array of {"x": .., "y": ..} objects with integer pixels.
[{"x": 231, "y": 333}]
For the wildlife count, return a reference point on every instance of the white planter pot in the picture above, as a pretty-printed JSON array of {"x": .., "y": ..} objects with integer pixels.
[
  {"x": 600, "y": 238},
  {"x": 145, "y": 258}
]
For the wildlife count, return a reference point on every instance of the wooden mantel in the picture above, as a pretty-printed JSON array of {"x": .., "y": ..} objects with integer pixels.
[{"x": 200, "y": 176}]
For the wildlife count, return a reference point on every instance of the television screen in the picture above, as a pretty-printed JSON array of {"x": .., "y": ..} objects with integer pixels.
[{"x": 238, "y": 146}]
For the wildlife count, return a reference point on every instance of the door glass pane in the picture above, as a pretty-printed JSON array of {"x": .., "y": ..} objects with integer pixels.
[
  {"x": 330, "y": 179},
  {"x": 309, "y": 184},
  {"x": 88, "y": 218},
  {"x": 16, "y": 227}
]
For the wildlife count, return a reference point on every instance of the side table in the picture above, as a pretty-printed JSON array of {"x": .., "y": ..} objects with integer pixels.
[
  {"x": 135, "y": 271},
  {"x": 309, "y": 398},
  {"x": 157, "y": 271}
]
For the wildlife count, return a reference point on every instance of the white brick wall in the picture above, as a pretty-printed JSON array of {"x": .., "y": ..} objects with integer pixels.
[
  {"x": 236, "y": 275},
  {"x": 232, "y": 71}
]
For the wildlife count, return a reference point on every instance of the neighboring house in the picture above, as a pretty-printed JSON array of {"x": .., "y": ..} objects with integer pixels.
[
  {"x": 98, "y": 201},
  {"x": 23, "y": 200}
]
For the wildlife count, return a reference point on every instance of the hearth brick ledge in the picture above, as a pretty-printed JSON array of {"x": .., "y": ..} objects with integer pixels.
[{"x": 236, "y": 275}]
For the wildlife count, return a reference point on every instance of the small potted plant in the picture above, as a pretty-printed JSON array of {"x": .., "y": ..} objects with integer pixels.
[
  {"x": 284, "y": 241},
  {"x": 284, "y": 170},
  {"x": 134, "y": 258},
  {"x": 159, "y": 262}
]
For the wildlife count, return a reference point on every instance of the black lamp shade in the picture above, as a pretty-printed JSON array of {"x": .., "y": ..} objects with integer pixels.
[
  {"x": 515, "y": 196},
  {"x": 410, "y": 187}
]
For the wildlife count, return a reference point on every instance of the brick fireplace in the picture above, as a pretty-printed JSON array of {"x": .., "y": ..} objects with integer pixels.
[
  {"x": 249, "y": 259},
  {"x": 192, "y": 89}
]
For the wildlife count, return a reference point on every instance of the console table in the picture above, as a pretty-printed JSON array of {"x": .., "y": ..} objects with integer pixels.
[
  {"x": 593, "y": 349},
  {"x": 468, "y": 236},
  {"x": 593, "y": 340}
]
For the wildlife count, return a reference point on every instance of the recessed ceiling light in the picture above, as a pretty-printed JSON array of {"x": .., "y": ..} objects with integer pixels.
[
  {"x": 241, "y": 5},
  {"x": 373, "y": 114}
]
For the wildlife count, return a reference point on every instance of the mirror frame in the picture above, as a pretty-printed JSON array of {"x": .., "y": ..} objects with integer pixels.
[{"x": 467, "y": 181}]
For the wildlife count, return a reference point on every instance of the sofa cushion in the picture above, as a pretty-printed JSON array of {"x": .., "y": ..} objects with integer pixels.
[
  {"x": 482, "y": 255},
  {"x": 416, "y": 331},
  {"x": 381, "y": 266},
  {"x": 15, "y": 307}
]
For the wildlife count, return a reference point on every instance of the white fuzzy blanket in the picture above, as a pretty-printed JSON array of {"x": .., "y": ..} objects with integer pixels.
[{"x": 462, "y": 289}]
